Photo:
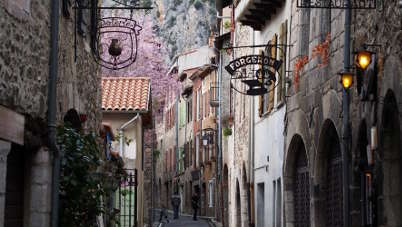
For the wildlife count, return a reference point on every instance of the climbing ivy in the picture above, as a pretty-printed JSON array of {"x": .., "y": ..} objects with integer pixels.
[{"x": 85, "y": 178}]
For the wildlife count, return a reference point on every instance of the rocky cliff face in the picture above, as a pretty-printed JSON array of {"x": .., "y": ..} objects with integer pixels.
[{"x": 184, "y": 24}]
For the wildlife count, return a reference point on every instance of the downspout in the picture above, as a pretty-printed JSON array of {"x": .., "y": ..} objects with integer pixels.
[
  {"x": 121, "y": 132},
  {"x": 177, "y": 139},
  {"x": 345, "y": 119},
  {"x": 51, "y": 113},
  {"x": 251, "y": 157}
]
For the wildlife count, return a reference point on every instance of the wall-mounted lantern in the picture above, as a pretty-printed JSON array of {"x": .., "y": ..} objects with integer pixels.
[
  {"x": 363, "y": 59},
  {"x": 346, "y": 79}
]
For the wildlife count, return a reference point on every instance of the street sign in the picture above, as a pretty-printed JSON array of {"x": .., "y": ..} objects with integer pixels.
[{"x": 337, "y": 4}]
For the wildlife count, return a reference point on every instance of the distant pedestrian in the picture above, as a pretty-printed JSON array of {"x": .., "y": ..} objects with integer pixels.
[
  {"x": 194, "y": 203},
  {"x": 163, "y": 214},
  {"x": 176, "y": 205}
]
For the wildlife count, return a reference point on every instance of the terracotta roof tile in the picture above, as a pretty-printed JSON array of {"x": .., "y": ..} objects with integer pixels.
[{"x": 125, "y": 93}]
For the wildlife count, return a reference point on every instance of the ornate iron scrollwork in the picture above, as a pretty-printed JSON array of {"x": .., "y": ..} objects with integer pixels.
[
  {"x": 116, "y": 42},
  {"x": 259, "y": 80}
]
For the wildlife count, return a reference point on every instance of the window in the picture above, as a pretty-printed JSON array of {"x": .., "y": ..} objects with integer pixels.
[
  {"x": 277, "y": 203},
  {"x": 198, "y": 100},
  {"x": 260, "y": 204},
  {"x": 190, "y": 153},
  {"x": 189, "y": 109},
  {"x": 197, "y": 150},
  {"x": 211, "y": 193}
]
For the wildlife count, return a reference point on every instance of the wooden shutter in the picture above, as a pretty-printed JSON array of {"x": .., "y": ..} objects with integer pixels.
[
  {"x": 272, "y": 86},
  {"x": 282, "y": 56}
]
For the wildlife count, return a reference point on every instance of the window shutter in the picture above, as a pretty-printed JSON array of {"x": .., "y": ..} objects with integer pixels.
[
  {"x": 282, "y": 56},
  {"x": 272, "y": 86}
]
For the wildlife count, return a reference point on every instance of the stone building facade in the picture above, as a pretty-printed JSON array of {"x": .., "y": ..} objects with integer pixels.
[
  {"x": 25, "y": 163},
  {"x": 190, "y": 167},
  {"x": 313, "y": 163}
]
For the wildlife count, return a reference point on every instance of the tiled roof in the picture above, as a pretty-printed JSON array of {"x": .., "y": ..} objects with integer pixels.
[{"x": 125, "y": 94}]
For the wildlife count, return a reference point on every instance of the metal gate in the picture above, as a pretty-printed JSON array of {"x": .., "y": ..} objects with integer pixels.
[
  {"x": 302, "y": 192},
  {"x": 126, "y": 200},
  {"x": 334, "y": 214}
]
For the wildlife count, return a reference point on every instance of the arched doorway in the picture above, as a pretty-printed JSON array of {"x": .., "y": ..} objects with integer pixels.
[
  {"x": 238, "y": 205},
  {"x": 301, "y": 192},
  {"x": 225, "y": 190},
  {"x": 363, "y": 177},
  {"x": 14, "y": 204},
  {"x": 330, "y": 179},
  {"x": 390, "y": 168},
  {"x": 246, "y": 198}
]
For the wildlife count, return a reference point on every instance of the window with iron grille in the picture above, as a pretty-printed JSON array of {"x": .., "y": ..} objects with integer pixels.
[
  {"x": 334, "y": 199},
  {"x": 302, "y": 191}
]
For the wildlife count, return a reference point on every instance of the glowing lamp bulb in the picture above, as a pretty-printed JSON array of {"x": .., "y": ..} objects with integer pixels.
[
  {"x": 363, "y": 59},
  {"x": 346, "y": 79}
]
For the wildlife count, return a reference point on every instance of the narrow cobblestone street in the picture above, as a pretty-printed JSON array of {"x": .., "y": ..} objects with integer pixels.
[{"x": 185, "y": 221}]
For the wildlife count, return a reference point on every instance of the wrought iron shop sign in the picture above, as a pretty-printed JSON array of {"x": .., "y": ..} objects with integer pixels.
[
  {"x": 337, "y": 4},
  {"x": 252, "y": 60},
  {"x": 258, "y": 80},
  {"x": 117, "y": 42}
]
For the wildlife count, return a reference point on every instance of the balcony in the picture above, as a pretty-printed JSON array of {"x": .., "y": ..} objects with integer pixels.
[{"x": 255, "y": 13}]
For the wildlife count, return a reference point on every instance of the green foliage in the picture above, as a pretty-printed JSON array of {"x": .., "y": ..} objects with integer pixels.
[
  {"x": 82, "y": 182},
  {"x": 227, "y": 131},
  {"x": 227, "y": 24},
  {"x": 156, "y": 154}
]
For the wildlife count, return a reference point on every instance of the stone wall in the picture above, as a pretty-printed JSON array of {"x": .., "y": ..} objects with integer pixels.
[
  {"x": 238, "y": 158},
  {"x": 24, "y": 73},
  {"x": 314, "y": 104}
]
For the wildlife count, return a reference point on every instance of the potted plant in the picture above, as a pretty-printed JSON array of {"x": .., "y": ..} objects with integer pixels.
[{"x": 227, "y": 131}]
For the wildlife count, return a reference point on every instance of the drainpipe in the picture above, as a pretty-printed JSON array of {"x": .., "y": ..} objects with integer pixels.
[
  {"x": 51, "y": 116},
  {"x": 251, "y": 158},
  {"x": 121, "y": 132},
  {"x": 345, "y": 119}
]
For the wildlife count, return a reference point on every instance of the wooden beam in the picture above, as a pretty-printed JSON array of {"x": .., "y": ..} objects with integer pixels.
[
  {"x": 252, "y": 24},
  {"x": 255, "y": 18}
]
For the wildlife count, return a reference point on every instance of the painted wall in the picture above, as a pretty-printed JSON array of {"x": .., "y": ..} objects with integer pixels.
[
  {"x": 269, "y": 135},
  {"x": 132, "y": 153}
]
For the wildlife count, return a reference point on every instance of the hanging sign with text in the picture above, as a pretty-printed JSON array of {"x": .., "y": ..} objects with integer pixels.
[
  {"x": 337, "y": 4},
  {"x": 252, "y": 60}
]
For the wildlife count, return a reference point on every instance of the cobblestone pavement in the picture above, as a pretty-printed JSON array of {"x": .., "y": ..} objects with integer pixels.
[{"x": 186, "y": 222}]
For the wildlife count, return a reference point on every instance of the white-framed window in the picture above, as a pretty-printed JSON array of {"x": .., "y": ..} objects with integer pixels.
[
  {"x": 198, "y": 104},
  {"x": 211, "y": 189}
]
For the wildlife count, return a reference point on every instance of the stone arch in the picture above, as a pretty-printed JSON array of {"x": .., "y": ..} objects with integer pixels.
[
  {"x": 296, "y": 184},
  {"x": 328, "y": 178},
  {"x": 225, "y": 190},
  {"x": 389, "y": 165},
  {"x": 238, "y": 205}
]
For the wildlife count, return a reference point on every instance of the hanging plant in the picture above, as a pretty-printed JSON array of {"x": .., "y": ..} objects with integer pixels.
[
  {"x": 227, "y": 131},
  {"x": 299, "y": 65},
  {"x": 322, "y": 50}
]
